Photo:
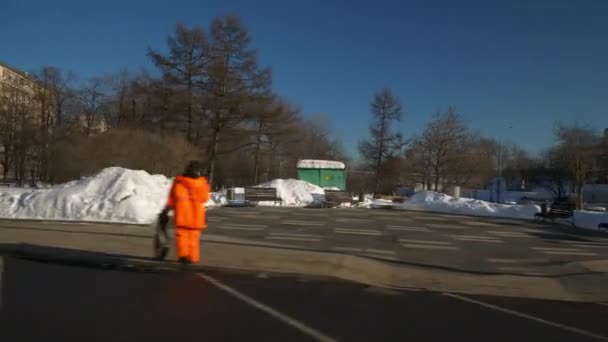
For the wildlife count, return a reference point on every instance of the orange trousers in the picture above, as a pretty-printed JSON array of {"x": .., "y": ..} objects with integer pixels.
[{"x": 188, "y": 244}]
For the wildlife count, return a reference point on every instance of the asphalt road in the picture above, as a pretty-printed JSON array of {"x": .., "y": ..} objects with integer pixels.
[
  {"x": 461, "y": 242},
  {"x": 50, "y": 302}
]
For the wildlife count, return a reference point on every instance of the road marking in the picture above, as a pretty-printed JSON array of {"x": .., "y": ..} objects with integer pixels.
[
  {"x": 352, "y": 220},
  {"x": 302, "y": 223},
  {"x": 446, "y": 226},
  {"x": 294, "y": 237},
  {"x": 516, "y": 261},
  {"x": 417, "y": 246},
  {"x": 215, "y": 219},
  {"x": 241, "y": 227},
  {"x": 358, "y": 231},
  {"x": 476, "y": 238},
  {"x": 510, "y": 234},
  {"x": 317, "y": 335},
  {"x": 430, "y": 242},
  {"x": 365, "y": 250},
  {"x": 528, "y": 317},
  {"x": 570, "y": 253},
  {"x": 589, "y": 246},
  {"x": 556, "y": 249},
  {"x": 414, "y": 229}
]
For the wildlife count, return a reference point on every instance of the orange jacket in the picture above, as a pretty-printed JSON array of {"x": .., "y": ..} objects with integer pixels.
[{"x": 187, "y": 198}]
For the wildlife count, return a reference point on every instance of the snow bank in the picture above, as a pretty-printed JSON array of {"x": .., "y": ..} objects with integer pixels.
[
  {"x": 115, "y": 194},
  {"x": 320, "y": 164},
  {"x": 588, "y": 219},
  {"x": 294, "y": 192},
  {"x": 437, "y": 202}
]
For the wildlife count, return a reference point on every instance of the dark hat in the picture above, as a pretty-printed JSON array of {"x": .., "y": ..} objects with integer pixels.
[{"x": 194, "y": 169}]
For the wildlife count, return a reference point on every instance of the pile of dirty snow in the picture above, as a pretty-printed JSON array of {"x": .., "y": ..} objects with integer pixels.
[
  {"x": 115, "y": 195},
  {"x": 588, "y": 219},
  {"x": 294, "y": 193},
  {"x": 438, "y": 202}
]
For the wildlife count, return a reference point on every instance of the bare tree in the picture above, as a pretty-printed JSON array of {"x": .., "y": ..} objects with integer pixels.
[
  {"x": 91, "y": 100},
  {"x": 443, "y": 142},
  {"x": 234, "y": 81},
  {"x": 384, "y": 143},
  {"x": 185, "y": 66},
  {"x": 578, "y": 146}
]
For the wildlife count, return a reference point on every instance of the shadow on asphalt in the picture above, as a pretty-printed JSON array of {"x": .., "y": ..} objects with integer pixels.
[
  {"x": 52, "y": 230},
  {"x": 79, "y": 257},
  {"x": 76, "y": 257}
]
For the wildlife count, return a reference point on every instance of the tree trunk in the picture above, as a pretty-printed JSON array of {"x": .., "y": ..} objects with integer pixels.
[
  {"x": 436, "y": 179},
  {"x": 214, "y": 148},
  {"x": 579, "y": 196},
  {"x": 256, "y": 156}
]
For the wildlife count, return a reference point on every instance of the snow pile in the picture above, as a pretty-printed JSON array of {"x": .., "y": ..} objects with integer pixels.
[
  {"x": 114, "y": 195},
  {"x": 437, "y": 202},
  {"x": 216, "y": 199},
  {"x": 588, "y": 219},
  {"x": 294, "y": 192}
]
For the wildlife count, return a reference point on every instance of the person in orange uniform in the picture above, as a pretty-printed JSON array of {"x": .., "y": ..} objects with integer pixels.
[{"x": 187, "y": 198}]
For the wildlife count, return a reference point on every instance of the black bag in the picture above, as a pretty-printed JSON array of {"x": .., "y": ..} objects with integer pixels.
[{"x": 161, "y": 237}]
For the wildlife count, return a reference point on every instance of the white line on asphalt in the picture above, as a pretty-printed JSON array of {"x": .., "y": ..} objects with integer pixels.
[
  {"x": 358, "y": 231},
  {"x": 303, "y": 223},
  {"x": 588, "y": 246},
  {"x": 516, "y": 261},
  {"x": 292, "y": 238},
  {"x": 414, "y": 229},
  {"x": 479, "y": 237},
  {"x": 430, "y": 242},
  {"x": 215, "y": 219},
  {"x": 529, "y": 317},
  {"x": 446, "y": 226},
  {"x": 569, "y": 253},
  {"x": 352, "y": 220},
  {"x": 555, "y": 249},
  {"x": 510, "y": 234},
  {"x": 477, "y": 240},
  {"x": 319, "y": 336},
  {"x": 417, "y": 246},
  {"x": 296, "y": 235},
  {"x": 235, "y": 227}
]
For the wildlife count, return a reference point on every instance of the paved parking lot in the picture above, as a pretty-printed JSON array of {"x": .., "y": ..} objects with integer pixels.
[
  {"x": 42, "y": 301},
  {"x": 451, "y": 241}
]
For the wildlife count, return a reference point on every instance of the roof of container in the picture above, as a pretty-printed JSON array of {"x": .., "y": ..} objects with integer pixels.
[{"x": 320, "y": 164}]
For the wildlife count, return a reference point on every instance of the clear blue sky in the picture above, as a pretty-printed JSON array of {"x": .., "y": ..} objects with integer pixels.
[{"x": 511, "y": 67}]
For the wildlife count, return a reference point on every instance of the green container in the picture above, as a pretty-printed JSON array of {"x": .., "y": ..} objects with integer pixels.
[{"x": 322, "y": 175}]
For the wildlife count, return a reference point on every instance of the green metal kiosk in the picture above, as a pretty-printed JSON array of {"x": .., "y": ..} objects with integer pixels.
[{"x": 324, "y": 173}]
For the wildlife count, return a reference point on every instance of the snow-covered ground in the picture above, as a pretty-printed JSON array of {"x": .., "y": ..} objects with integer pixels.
[
  {"x": 114, "y": 194},
  {"x": 438, "y": 202},
  {"x": 588, "y": 219}
]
